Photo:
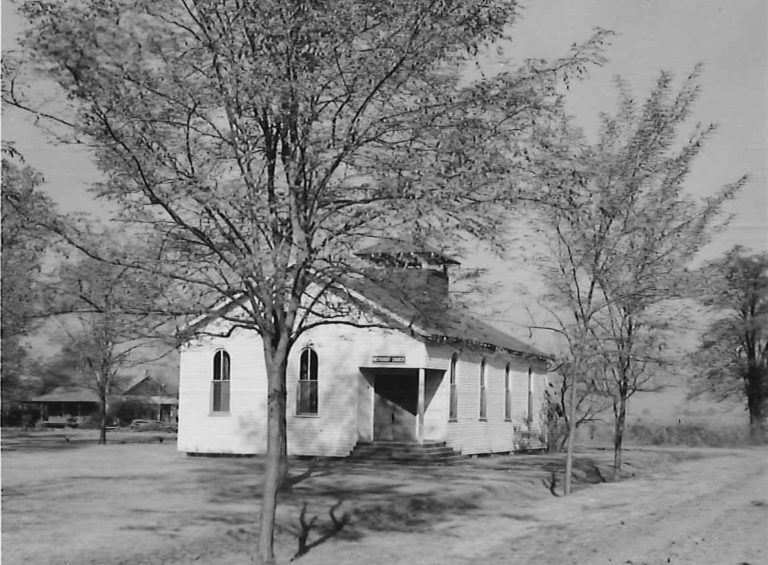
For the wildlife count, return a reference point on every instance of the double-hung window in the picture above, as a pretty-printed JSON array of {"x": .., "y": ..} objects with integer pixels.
[
  {"x": 530, "y": 396},
  {"x": 453, "y": 410},
  {"x": 220, "y": 382},
  {"x": 507, "y": 394},
  {"x": 306, "y": 392},
  {"x": 483, "y": 390}
]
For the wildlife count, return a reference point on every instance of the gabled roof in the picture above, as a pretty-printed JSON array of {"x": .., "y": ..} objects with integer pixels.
[
  {"x": 439, "y": 321},
  {"x": 436, "y": 321},
  {"x": 145, "y": 385}
]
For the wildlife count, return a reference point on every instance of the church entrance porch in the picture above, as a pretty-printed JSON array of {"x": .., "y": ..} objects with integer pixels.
[{"x": 402, "y": 402}]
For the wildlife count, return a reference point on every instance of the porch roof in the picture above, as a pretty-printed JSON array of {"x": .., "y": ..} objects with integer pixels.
[{"x": 67, "y": 395}]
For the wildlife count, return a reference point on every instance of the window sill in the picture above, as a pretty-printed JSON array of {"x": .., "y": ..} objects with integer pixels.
[
  {"x": 453, "y": 420},
  {"x": 219, "y": 414},
  {"x": 307, "y": 415},
  {"x": 482, "y": 419}
]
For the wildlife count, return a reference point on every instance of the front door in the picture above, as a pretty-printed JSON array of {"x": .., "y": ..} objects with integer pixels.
[{"x": 395, "y": 405}]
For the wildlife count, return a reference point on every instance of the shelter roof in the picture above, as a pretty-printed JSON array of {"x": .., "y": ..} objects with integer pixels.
[{"x": 67, "y": 395}]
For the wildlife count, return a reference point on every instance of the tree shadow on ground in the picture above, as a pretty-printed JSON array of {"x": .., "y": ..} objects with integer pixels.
[{"x": 345, "y": 500}]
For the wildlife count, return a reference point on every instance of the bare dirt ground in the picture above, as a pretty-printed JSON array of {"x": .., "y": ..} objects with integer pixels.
[{"x": 143, "y": 503}]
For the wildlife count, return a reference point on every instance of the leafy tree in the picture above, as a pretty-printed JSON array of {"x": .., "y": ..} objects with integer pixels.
[
  {"x": 732, "y": 360},
  {"x": 624, "y": 231},
  {"x": 111, "y": 323},
  {"x": 24, "y": 244},
  {"x": 257, "y": 143}
]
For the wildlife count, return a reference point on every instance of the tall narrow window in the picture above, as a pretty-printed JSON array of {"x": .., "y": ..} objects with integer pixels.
[
  {"x": 507, "y": 395},
  {"x": 530, "y": 396},
  {"x": 483, "y": 391},
  {"x": 220, "y": 384},
  {"x": 306, "y": 393},
  {"x": 453, "y": 410}
]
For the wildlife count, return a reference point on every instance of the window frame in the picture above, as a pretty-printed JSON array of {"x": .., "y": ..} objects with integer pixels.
[
  {"x": 221, "y": 383},
  {"x": 307, "y": 384},
  {"x": 508, "y": 393},
  {"x": 529, "y": 416},
  {"x": 453, "y": 394},
  {"x": 483, "y": 416}
]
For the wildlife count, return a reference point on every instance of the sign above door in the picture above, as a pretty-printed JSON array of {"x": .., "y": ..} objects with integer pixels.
[{"x": 389, "y": 358}]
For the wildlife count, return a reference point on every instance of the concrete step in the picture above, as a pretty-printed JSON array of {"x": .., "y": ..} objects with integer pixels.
[
  {"x": 427, "y": 443},
  {"x": 432, "y": 452},
  {"x": 404, "y": 452}
]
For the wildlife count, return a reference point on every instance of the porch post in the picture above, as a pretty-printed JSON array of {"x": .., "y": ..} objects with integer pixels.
[{"x": 420, "y": 409}]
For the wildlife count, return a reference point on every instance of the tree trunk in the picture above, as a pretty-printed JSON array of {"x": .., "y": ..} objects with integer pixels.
[
  {"x": 276, "y": 465},
  {"x": 567, "y": 484},
  {"x": 284, "y": 479},
  {"x": 103, "y": 423},
  {"x": 619, "y": 423},
  {"x": 757, "y": 403}
]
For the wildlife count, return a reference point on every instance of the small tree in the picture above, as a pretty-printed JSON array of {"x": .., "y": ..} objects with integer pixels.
[
  {"x": 589, "y": 402},
  {"x": 625, "y": 231},
  {"x": 732, "y": 360},
  {"x": 111, "y": 323}
]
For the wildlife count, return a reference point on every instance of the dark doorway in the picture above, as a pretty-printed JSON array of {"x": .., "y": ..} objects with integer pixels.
[{"x": 395, "y": 405}]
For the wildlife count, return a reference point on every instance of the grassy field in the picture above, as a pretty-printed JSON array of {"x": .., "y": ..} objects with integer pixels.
[{"x": 138, "y": 501}]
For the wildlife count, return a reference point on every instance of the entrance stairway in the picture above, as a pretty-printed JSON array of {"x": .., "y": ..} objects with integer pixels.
[{"x": 428, "y": 453}]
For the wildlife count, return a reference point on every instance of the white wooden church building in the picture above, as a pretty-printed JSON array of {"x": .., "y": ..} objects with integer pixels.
[{"x": 443, "y": 376}]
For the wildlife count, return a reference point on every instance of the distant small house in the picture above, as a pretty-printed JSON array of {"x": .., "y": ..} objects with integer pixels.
[
  {"x": 145, "y": 397},
  {"x": 66, "y": 406},
  {"x": 416, "y": 375},
  {"x": 151, "y": 394}
]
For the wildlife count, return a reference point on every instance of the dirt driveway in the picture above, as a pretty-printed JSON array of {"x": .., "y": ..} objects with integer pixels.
[
  {"x": 65, "y": 502},
  {"x": 710, "y": 510}
]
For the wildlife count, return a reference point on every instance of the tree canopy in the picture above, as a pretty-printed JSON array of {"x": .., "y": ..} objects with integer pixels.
[
  {"x": 622, "y": 229},
  {"x": 732, "y": 360},
  {"x": 24, "y": 245},
  {"x": 257, "y": 144}
]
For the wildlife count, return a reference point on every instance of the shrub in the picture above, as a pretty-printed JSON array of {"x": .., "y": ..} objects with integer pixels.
[{"x": 690, "y": 434}]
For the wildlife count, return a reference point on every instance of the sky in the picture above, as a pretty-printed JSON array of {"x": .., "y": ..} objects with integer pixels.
[{"x": 728, "y": 38}]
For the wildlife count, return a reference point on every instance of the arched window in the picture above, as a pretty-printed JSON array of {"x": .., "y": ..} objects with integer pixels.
[
  {"x": 530, "y": 396},
  {"x": 483, "y": 391},
  {"x": 306, "y": 392},
  {"x": 453, "y": 410},
  {"x": 507, "y": 394},
  {"x": 220, "y": 383}
]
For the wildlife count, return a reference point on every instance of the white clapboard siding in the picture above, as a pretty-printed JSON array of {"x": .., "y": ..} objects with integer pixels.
[
  {"x": 346, "y": 395},
  {"x": 471, "y": 435},
  {"x": 342, "y": 398},
  {"x": 243, "y": 429}
]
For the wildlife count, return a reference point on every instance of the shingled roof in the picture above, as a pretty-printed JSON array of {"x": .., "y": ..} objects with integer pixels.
[
  {"x": 439, "y": 322},
  {"x": 67, "y": 395},
  {"x": 402, "y": 249}
]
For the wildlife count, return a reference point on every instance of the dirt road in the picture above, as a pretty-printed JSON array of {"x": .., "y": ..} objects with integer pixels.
[{"x": 712, "y": 510}]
